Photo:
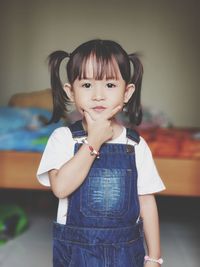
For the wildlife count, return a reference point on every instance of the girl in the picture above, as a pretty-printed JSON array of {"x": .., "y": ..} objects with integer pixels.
[{"x": 102, "y": 173}]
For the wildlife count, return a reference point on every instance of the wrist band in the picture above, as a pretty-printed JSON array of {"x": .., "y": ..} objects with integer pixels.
[
  {"x": 147, "y": 258},
  {"x": 92, "y": 150}
]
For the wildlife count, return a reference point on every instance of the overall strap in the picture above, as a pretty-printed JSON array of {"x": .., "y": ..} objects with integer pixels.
[
  {"x": 77, "y": 129},
  {"x": 133, "y": 135}
]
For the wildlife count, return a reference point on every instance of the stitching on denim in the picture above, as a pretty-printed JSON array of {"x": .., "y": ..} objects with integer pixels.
[
  {"x": 122, "y": 243},
  {"x": 104, "y": 213}
]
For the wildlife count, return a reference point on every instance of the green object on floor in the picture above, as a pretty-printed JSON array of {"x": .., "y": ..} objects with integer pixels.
[
  {"x": 13, "y": 221},
  {"x": 40, "y": 140}
]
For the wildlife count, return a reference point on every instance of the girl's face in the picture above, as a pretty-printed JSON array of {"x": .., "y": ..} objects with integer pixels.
[{"x": 95, "y": 96}]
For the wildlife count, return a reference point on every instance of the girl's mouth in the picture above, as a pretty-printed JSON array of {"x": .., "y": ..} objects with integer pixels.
[{"x": 99, "y": 108}]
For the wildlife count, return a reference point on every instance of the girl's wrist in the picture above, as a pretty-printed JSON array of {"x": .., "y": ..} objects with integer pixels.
[
  {"x": 93, "y": 141},
  {"x": 157, "y": 261},
  {"x": 93, "y": 151}
]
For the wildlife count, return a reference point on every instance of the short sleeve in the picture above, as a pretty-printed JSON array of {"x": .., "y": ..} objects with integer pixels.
[
  {"x": 59, "y": 149},
  {"x": 149, "y": 180}
]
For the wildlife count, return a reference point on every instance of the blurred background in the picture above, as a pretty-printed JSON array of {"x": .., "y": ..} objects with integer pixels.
[{"x": 167, "y": 35}]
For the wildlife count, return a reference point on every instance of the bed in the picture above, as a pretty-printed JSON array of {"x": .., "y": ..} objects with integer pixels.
[{"x": 176, "y": 153}]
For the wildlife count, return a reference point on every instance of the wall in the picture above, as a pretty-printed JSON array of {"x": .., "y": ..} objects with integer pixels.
[{"x": 166, "y": 33}]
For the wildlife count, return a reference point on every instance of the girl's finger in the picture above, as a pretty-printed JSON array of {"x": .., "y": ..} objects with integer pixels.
[
  {"x": 110, "y": 113},
  {"x": 88, "y": 116}
]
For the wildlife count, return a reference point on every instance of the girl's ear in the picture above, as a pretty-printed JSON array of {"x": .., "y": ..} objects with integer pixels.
[
  {"x": 130, "y": 89},
  {"x": 68, "y": 90}
]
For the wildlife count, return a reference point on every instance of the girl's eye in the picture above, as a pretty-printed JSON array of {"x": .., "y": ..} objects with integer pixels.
[
  {"x": 111, "y": 85},
  {"x": 86, "y": 85}
]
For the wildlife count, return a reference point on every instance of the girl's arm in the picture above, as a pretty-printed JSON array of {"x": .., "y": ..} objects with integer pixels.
[
  {"x": 72, "y": 174},
  {"x": 149, "y": 214}
]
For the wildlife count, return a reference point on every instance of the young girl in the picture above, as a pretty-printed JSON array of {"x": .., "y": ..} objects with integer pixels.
[{"x": 102, "y": 172}]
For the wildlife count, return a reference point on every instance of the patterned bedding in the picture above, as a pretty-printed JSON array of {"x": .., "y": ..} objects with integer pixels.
[
  {"x": 25, "y": 129},
  {"x": 173, "y": 142}
]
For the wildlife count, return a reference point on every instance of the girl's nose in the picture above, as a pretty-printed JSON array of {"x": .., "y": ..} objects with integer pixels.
[{"x": 98, "y": 94}]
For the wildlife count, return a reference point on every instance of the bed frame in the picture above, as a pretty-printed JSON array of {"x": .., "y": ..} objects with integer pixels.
[
  {"x": 181, "y": 176},
  {"x": 18, "y": 169}
]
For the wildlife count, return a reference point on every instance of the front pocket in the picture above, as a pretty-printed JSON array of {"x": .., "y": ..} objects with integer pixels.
[{"x": 106, "y": 192}]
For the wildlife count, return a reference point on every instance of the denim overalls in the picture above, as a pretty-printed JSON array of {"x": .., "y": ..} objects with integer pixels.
[{"x": 102, "y": 228}]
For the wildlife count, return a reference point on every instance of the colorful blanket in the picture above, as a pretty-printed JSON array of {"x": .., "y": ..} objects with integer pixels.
[{"x": 25, "y": 129}]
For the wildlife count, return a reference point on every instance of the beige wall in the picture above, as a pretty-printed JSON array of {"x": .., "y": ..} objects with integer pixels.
[{"x": 165, "y": 32}]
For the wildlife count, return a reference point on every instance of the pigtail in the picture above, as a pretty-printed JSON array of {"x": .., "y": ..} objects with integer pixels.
[
  {"x": 134, "y": 108},
  {"x": 60, "y": 99}
]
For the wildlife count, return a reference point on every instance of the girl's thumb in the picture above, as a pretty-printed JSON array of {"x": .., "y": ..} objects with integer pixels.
[{"x": 87, "y": 116}]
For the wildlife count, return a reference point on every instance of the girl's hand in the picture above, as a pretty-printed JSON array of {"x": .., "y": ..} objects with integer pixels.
[{"x": 99, "y": 128}]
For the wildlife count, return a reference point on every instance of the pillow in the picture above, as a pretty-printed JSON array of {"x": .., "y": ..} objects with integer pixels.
[{"x": 38, "y": 99}]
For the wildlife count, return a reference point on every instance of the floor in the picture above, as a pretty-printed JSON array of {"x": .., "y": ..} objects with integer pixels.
[{"x": 180, "y": 235}]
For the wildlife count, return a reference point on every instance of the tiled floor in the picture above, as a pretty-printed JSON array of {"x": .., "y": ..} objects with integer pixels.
[{"x": 180, "y": 236}]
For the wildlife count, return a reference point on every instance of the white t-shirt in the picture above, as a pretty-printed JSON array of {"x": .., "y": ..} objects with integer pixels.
[{"x": 60, "y": 149}]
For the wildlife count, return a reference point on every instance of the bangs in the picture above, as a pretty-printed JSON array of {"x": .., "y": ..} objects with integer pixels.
[
  {"x": 99, "y": 60},
  {"x": 98, "y": 68}
]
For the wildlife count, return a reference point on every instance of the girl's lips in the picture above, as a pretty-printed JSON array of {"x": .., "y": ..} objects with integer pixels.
[{"x": 99, "y": 108}]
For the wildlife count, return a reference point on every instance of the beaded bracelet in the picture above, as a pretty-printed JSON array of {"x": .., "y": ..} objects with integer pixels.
[
  {"x": 147, "y": 258},
  {"x": 92, "y": 150}
]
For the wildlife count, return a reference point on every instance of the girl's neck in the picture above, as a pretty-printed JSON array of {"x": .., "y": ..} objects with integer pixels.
[{"x": 117, "y": 128}]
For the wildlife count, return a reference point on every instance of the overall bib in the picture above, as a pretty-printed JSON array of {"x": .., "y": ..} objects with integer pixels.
[{"x": 102, "y": 228}]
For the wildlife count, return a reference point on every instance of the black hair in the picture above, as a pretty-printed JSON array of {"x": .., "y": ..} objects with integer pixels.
[{"x": 106, "y": 53}]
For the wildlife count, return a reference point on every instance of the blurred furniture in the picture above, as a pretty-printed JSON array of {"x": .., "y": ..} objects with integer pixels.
[{"x": 176, "y": 153}]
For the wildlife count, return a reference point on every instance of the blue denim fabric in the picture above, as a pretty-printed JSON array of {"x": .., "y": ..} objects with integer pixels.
[{"x": 102, "y": 228}]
